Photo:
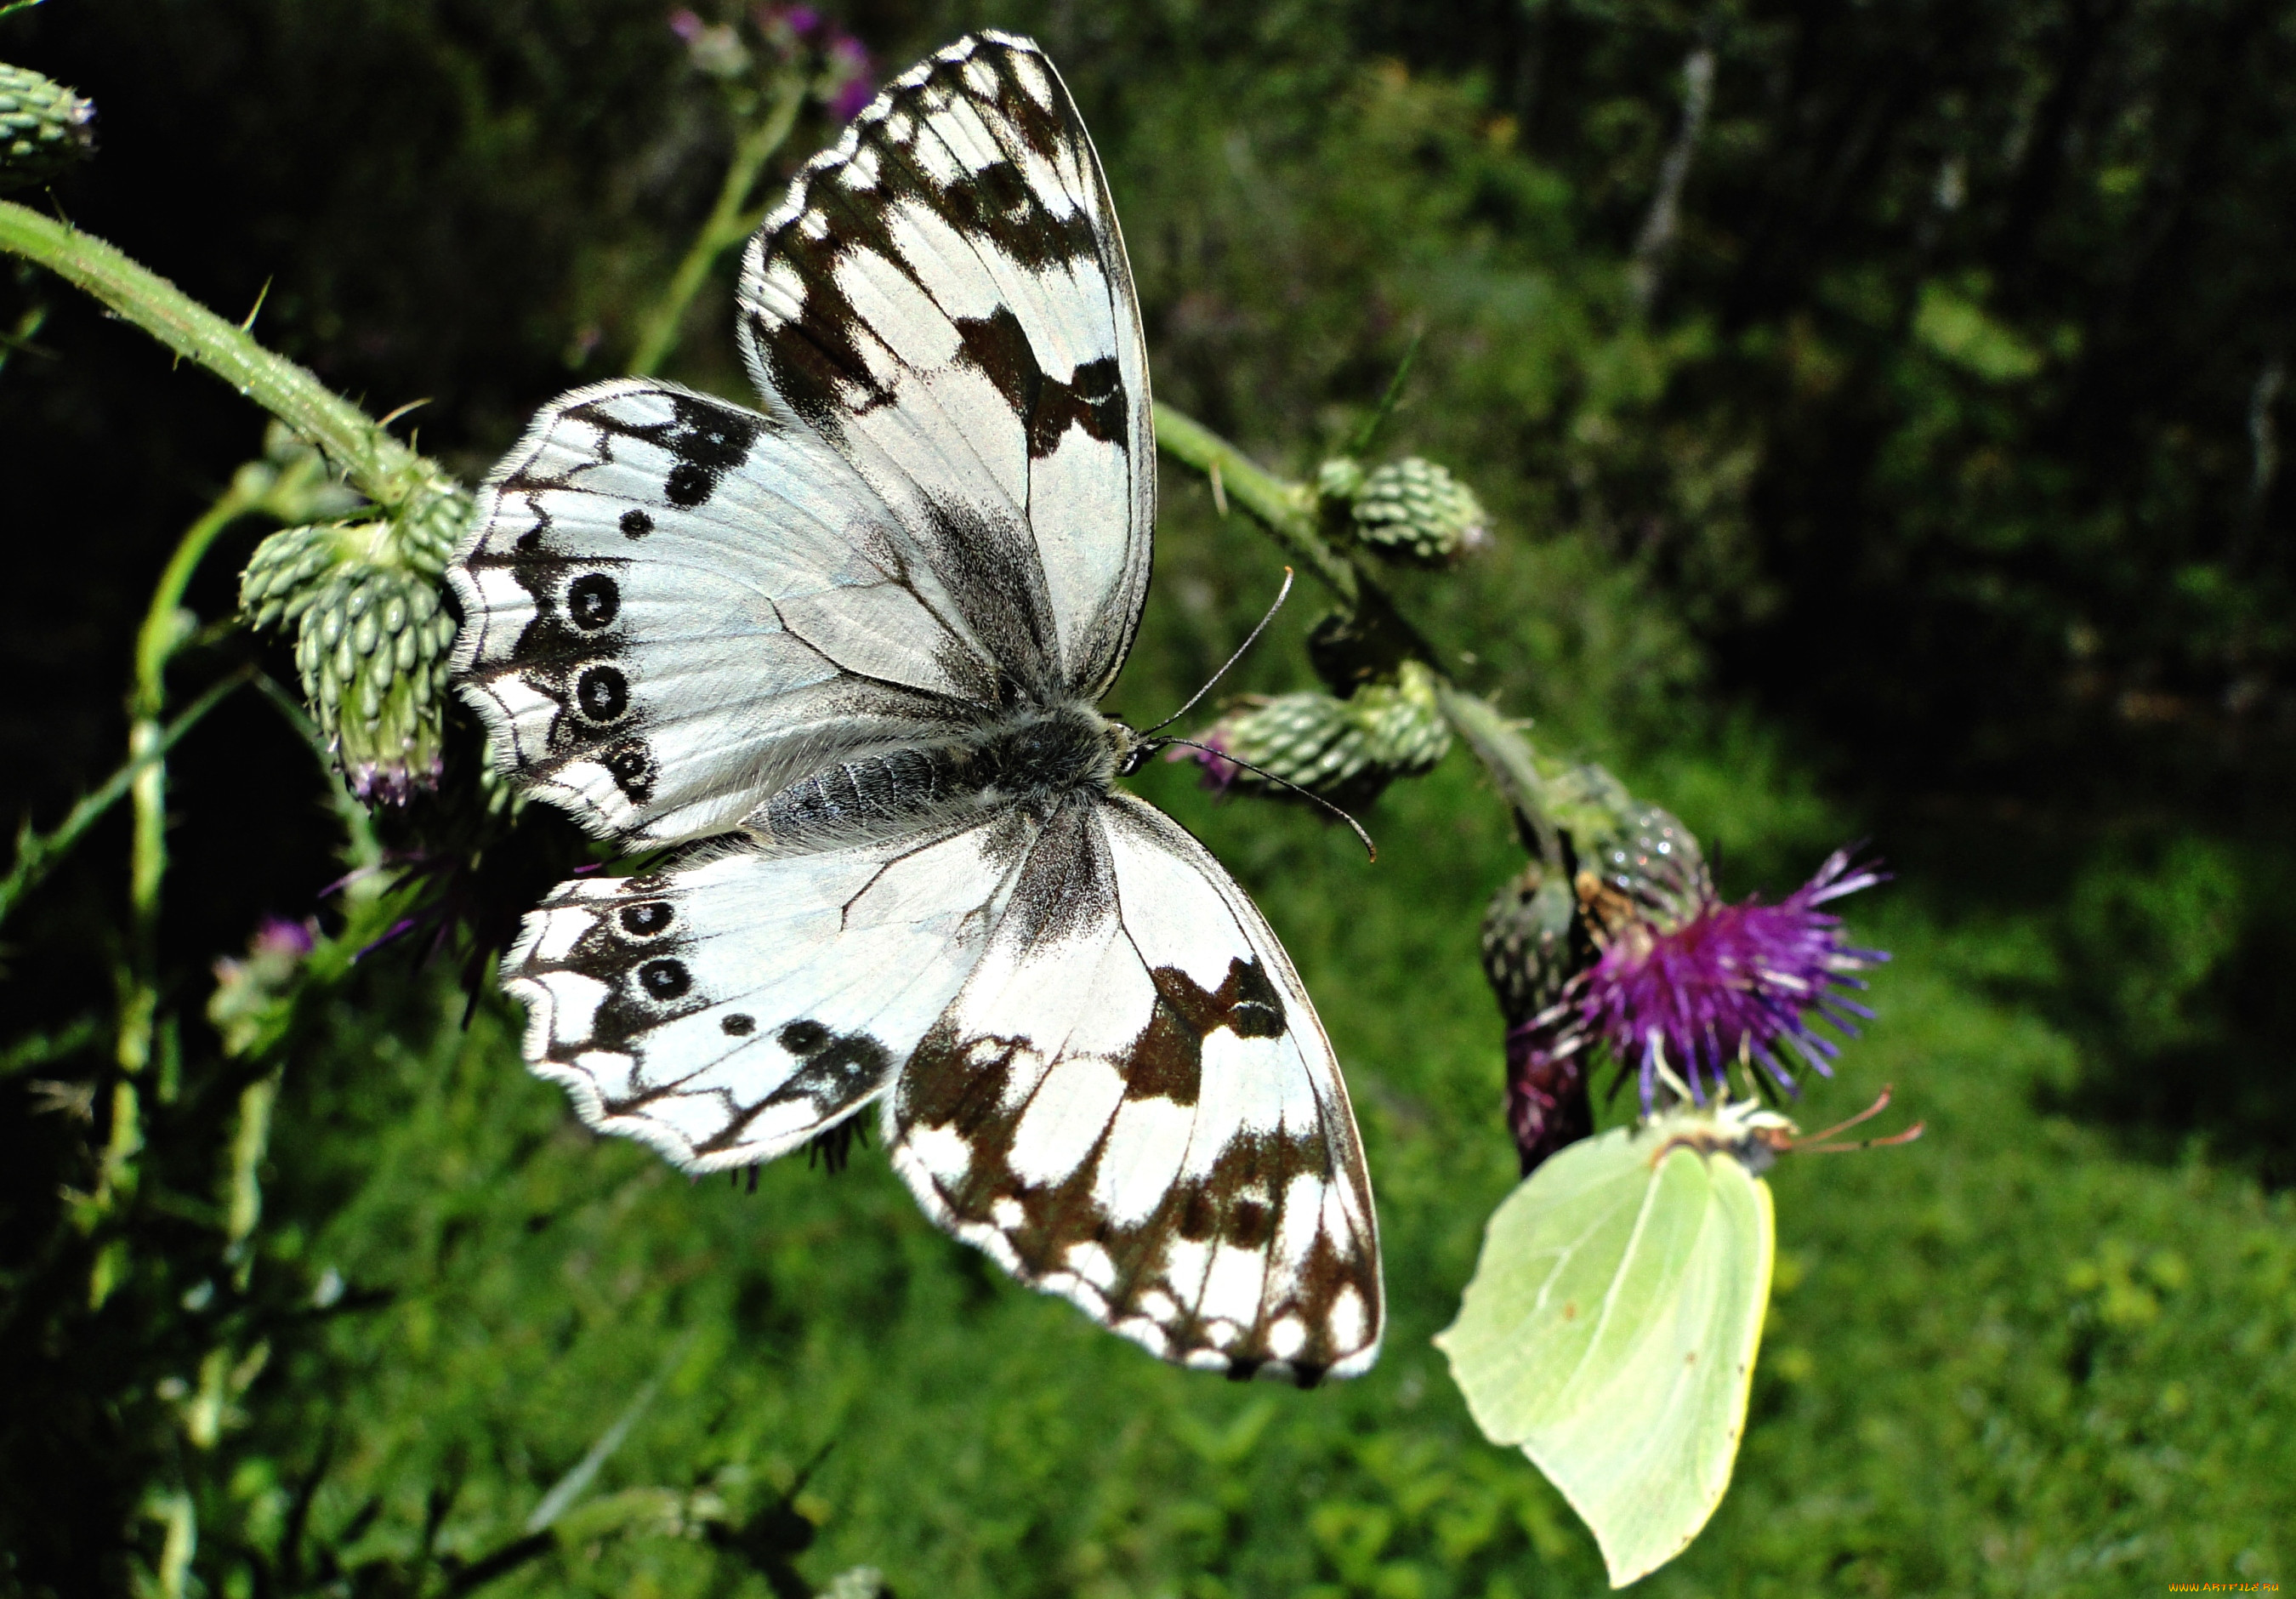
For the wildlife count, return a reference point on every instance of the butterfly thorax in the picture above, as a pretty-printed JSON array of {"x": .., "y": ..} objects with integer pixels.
[{"x": 1031, "y": 761}]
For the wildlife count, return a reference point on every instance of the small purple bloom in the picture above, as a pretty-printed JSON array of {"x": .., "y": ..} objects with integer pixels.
[
  {"x": 1212, "y": 754},
  {"x": 685, "y": 25},
  {"x": 277, "y": 936},
  {"x": 848, "y": 58},
  {"x": 1730, "y": 982}
]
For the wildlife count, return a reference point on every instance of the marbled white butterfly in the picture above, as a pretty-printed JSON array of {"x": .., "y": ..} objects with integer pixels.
[{"x": 846, "y": 650}]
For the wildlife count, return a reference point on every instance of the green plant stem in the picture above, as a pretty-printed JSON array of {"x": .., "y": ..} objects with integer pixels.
[
  {"x": 166, "y": 627},
  {"x": 1505, "y": 755},
  {"x": 1288, "y": 512},
  {"x": 380, "y": 466},
  {"x": 362, "y": 850},
  {"x": 37, "y": 854},
  {"x": 731, "y": 221},
  {"x": 244, "y": 1193}
]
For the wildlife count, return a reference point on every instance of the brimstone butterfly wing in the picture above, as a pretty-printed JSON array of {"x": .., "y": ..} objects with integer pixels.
[{"x": 1611, "y": 1326}]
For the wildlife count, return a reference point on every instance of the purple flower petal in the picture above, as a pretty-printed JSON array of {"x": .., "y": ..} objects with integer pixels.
[
  {"x": 1733, "y": 982},
  {"x": 1220, "y": 771}
]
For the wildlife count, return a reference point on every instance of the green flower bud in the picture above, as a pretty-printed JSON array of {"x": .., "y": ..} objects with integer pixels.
[
  {"x": 1403, "y": 721},
  {"x": 1635, "y": 859},
  {"x": 1532, "y": 945},
  {"x": 1306, "y": 739},
  {"x": 373, "y": 637},
  {"x": 1415, "y": 510},
  {"x": 1339, "y": 479},
  {"x": 1337, "y": 749},
  {"x": 44, "y": 127}
]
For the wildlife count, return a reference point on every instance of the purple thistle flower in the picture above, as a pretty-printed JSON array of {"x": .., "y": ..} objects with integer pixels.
[
  {"x": 1219, "y": 772},
  {"x": 1729, "y": 982}
]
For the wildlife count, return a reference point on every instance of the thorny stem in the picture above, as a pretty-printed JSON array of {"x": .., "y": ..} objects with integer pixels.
[
  {"x": 1505, "y": 754},
  {"x": 1288, "y": 512},
  {"x": 37, "y": 854},
  {"x": 166, "y": 627},
  {"x": 378, "y": 465},
  {"x": 731, "y": 221},
  {"x": 362, "y": 850}
]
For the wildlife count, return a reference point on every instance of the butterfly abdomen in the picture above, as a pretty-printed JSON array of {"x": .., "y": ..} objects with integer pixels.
[{"x": 1038, "y": 759}]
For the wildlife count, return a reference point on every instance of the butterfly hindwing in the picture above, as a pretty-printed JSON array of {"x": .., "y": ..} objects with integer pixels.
[
  {"x": 1131, "y": 1103},
  {"x": 726, "y": 1010},
  {"x": 670, "y": 601},
  {"x": 946, "y": 298}
]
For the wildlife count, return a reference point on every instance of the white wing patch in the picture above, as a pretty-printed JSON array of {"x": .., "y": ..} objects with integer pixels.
[
  {"x": 963, "y": 315},
  {"x": 1130, "y": 1103},
  {"x": 671, "y": 605},
  {"x": 726, "y": 1011}
]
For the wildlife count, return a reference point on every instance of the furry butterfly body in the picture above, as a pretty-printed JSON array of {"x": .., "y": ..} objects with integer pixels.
[{"x": 846, "y": 650}]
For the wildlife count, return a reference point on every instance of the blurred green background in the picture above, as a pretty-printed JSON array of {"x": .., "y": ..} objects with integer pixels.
[{"x": 1919, "y": 480}]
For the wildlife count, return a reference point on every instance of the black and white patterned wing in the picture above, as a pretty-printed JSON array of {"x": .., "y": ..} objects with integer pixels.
[
  {"x": 672, "y": 606},
  {"x": 726, "y": 1010},
  {"x": 944, "y": 298},
  {"x": 1131, "y": 1104}
]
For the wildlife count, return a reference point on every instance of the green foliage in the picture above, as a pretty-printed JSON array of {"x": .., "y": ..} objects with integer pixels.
[{"x": 1947, "y": 1404}]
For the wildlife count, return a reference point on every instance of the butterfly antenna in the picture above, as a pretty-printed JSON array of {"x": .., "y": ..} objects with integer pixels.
[
  {"x": 1370, "y": 848},
  {"x": 1281, "y": 595},
  {"x": 1816, "y": 1144}
]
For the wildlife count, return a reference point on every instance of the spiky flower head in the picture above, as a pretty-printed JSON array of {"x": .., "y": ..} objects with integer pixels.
[
  {"x": 1415, "y": 510},
  {"x": 1637, "y": 954},
  {"x": 44, "y": 127},
  {"x": 1689, "y": 996},
  {"x": 1334, "y": 748},
  {"x": 1534, "y": 943},
  {"x": 373, "y": 635}
]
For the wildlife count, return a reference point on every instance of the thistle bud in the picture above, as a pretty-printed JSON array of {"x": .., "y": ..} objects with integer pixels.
[
  {"x": 1650, "y": 865},
  {"x": 1414, "y": 510},
  {"x": 1339, "y": 479},
  {"x": 1402, "y": 722},
  {"x": 372, "y": 635},
  {"x": 1306, "y": 739},
  {"x": 44, "y": 127},
  {"x": 371, "y": 653},
  {"x": 1335, "y": 748},
  {"x": 1532, "y": 945}
]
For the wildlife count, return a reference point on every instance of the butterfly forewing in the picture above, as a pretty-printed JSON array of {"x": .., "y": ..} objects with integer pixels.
[
  {"x": 944, "y": 297},
  {"x": 1132, "y": 1103},
  {"x": 672, "y": 601}
]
